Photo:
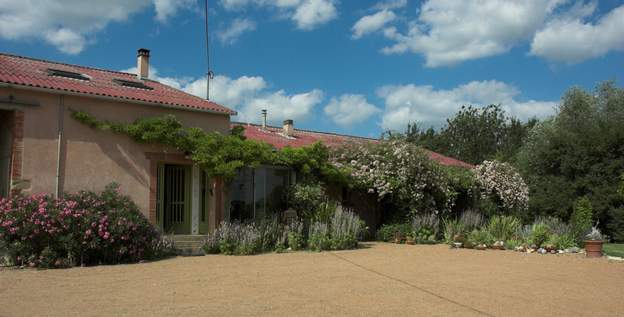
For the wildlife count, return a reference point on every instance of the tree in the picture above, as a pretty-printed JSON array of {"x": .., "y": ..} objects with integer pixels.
[
  {"x": 579, "y": 152},
  {"x": 475, "y": 134}
]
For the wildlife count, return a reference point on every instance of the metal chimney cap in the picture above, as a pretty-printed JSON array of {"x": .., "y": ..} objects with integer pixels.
[{"x": 143, "y": 52}]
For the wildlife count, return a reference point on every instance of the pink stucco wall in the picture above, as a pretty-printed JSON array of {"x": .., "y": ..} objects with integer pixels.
[{"x": 92, "y": 159}]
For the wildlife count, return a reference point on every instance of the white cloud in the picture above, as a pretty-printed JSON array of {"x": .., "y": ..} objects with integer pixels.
[
  {"x": 70, "y": 25},
  {"x": 239, "y": 26},
  {"x": 248, "y": 95},
  {"x": 390, "y": 4},
  {"x": 349, "y": 109},
  {"x": 448, "y": 32},
  {"x": 371, "y": 23},
  {"x": 425, "y": 104},
  {"x": 570, "y": 39},
  {"x": 312, "y": 13},
  {"x": 306, "y": 14},
  {"x": 168, "y": 8}
]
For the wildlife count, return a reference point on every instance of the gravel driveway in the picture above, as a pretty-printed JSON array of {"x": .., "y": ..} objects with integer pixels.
[{"x": 379, "y": 279}]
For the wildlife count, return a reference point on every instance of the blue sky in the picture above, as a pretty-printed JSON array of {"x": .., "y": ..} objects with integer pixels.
[{"x": 356, "y": 67}]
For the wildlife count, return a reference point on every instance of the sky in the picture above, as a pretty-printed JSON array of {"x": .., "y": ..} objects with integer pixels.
[{"x": 347, "y": 66}]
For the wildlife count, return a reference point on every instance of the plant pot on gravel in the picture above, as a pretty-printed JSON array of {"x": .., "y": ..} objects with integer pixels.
[
  {"x": 410, "y": 240},
  {"x": 593, "y": 243}
]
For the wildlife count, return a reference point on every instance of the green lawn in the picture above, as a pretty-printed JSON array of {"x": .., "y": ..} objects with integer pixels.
[{"x": 613, "y": 249}]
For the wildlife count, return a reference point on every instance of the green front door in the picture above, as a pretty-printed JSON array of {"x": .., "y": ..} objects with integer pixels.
[{"x": 176, "y": 199}]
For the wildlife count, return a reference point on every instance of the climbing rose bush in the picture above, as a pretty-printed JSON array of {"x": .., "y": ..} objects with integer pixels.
[
  {"x": 82, "y": 228},
  {"x": 502, "y": 181},
  {"x": 400, "y": 171}
]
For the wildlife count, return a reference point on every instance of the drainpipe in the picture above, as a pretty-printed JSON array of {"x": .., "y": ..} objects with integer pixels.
[{"x": 61, "y": 113}]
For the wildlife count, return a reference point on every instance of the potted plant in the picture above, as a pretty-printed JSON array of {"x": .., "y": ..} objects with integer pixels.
[{"x": 593, "y": 243}]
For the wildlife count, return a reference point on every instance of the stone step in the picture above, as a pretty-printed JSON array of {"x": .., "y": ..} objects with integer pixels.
[{"x": 188, "y": 245}]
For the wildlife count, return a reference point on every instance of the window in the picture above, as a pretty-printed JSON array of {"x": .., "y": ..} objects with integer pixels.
[
  {"x": 66, "y": 74},
  {"x": 258, "y": 193},
  {"x": 132, "y": 84}
]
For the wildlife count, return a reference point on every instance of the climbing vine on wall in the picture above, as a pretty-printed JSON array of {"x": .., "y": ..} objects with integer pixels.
[{"x": 218, "y": 154}]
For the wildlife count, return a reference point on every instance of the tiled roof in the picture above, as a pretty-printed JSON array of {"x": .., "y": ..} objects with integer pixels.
[
  {"x": 274, "y": 136},
  {"x": 28, "y": 72}
]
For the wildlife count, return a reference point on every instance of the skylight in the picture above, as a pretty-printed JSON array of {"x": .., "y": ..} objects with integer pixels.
[
  {"x": 132, "y": 84},
  {"x": 66, "y": 74}
]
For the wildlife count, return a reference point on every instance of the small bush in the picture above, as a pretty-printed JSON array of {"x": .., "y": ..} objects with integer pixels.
[
  {"x": 581, "y": 218},
  {"x": 306, "y": 199},
  {"x": 480, "y": 236},
  {"x": 540, "y": 234},
  {"x": 504, "y": 228},
  {"x": 425, "y": 228},
  {"x": 319, "y": 238},
  {"x": 295, "y": 236},
  {"x": 453, "y": 230},
  {"x": 472, "y": 220},
  {"x": 387, "y": 232}
]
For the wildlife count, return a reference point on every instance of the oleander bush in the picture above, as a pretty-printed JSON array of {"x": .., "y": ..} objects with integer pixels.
[{"x": 83, "y": 228}]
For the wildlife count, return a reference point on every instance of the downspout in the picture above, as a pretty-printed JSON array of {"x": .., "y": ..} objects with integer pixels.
[{"x": 61, "y": 113}]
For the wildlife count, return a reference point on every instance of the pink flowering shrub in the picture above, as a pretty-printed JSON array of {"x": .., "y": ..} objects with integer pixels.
[
  {"x": 81, "y": 228},
  {"x": 400, "y": 172},
  {"x": 501, "y": 182}
]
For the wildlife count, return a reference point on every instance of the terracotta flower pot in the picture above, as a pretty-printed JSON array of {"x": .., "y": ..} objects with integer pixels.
[
  {"x": 593, "y": 249},
  {"x": 410, "y": 241}
]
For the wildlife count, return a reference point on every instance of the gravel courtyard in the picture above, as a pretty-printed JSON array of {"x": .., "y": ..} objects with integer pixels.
[{"x": 379, "y": 279}]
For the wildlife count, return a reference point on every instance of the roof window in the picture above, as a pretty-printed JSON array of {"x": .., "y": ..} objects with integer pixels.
[
  {"x": 66, "y": 74},
  {"x": 132, "y": 84}
]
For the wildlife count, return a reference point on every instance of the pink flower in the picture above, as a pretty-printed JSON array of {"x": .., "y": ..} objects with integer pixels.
[{"x": 106, "y": 235}]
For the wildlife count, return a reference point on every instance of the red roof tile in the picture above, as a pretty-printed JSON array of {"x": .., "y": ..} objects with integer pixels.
[
  {"x": 273, "y": 136},
  {"x": 28, "y": 72}
]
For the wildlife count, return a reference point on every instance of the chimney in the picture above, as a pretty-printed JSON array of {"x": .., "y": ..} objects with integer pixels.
[
  {"x": 264, "y": 119},
  {"x": 143, "y": 63},
  {"x": 289, "y": 128}
]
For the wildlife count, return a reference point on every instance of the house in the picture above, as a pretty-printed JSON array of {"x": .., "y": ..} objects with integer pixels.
[{"x": 44, "y": 150}]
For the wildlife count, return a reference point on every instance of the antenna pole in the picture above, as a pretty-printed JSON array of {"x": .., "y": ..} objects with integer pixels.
[{"x": 209, "y": 73}]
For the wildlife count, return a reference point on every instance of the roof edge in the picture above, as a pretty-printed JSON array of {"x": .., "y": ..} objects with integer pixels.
[
  {"x": 305, "y": 130},
  {"x": 113, "y": 98}
]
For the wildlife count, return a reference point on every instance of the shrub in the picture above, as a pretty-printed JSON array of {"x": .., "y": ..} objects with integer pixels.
[
  {"x": 319, "y": 238},
  {"x": 581, "y": 219},
  {"x": 387, "y": 232},
  {"x": 616, "y": 224},
  {"x": 234, "y": 239},
  {"x": 425, "y": 228},
  {"x": 472, "y": 220},
  {"x": 346, "y": 228},
  {"x": 561, "y": 242},
  {"x": 306, "y": 199},
  {"x": 513, "y": 243},
  {"x": 504, "y": 228},
  {"x": 400, "y": 172},
  {"x": 295, "y": 236},
  {"x": 505, "y": 183},
  {"x": 82, "y": 228},
  {"x": 540, "y": 234},
  {"x": 453, "y": 230},
  {"x": 480, "y": 236}
]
